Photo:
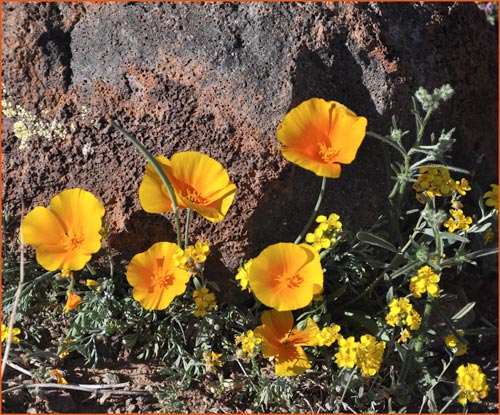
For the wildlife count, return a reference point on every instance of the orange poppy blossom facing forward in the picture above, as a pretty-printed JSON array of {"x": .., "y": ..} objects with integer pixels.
[
  {"x": 321, "y": 135},
  {"x": 286, "y": 276},
  {"x": 155, "y": 278},
  {"x": 283, "y": 341},
  {"x": 200, "y": 183},
  {"x": 67, "y": 233}
]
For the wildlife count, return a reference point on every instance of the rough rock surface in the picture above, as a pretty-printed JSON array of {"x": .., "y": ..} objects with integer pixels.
[{"x": 218, "y": 78}]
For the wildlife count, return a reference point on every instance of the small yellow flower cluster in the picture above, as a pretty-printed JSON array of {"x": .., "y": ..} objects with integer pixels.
[
  {"x": 367, "y": 354},
  {"x": 491, "y": 197},
  {"x": 249, "y": 344},
  {"x": 325, "y": 234},
  {"x": 212, "y": 361},
  {"x": 436, "y": 181},
  {"x": 456, "y": 346},
  {"x": 401, "y": 313},
  {"x": 328, "y": 335},
  {"x": 472, "y": 383},
  {"x": 457, "y": 221},
  {"x": 425, "y": 281},
  {"x": 13, "y": 335},
  {"x": 242, "y": 275},
  {"x": 204, "y": 300},
  {"x": 192, "y": 258}
]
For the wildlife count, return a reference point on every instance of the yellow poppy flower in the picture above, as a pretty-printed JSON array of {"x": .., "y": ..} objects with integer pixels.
[
  {"x": 283, "y": 341},
  {"x": 286, "y": 276},
  {"x": 72, "y": 301},
  {"x": 320, "y": 135},
  {"x": 200, "y": 183},
  {"x": 66, "y": 234},
  {"x": 155, "y": 278}
]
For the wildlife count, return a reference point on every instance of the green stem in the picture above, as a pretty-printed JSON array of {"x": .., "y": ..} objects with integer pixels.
[
  {"x": 353, "y": 370},
  {"x": 186, "y": 227},
  {"x": 450, "y": 402},
  {"x": 315, "y": 211},
  {"x": 416, "y": 230},
  {"x": 149, "y": 157},
  {"x": 438, "y": 379}
]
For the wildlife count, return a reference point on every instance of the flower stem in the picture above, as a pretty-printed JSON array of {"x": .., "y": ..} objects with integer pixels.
[
  {"x": 450, "y": 401},
  {"x": 314, "y": 213},
  {"x": 186, "y": 227},
  {"x": 149, "y": 157}
]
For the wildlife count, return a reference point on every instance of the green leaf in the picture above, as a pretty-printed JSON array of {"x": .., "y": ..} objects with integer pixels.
[
  {"x": 482, "y": 252},
  {"x": 372, "y": 239},
  {"x": 463, "y": 311}
]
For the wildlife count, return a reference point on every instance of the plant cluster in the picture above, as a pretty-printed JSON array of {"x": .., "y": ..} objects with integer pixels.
[{"x": 349, "y": 319}]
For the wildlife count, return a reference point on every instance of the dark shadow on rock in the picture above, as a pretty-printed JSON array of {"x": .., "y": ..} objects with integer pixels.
[
  {"x": 229, "y": 290},
  {"x": 289, "y": 200},
  {"x": 141, "y": 231}
]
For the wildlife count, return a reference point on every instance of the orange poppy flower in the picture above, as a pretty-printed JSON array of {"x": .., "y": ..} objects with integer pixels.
[
  {"x": 286, "y": 276},
  {"x": 72, "y": 301},
  {"x": 320, "y": 135},
  {"x": 200, "y": 183},
  {"x": 67, "y": 233},
  {"x": 155, "y": 278},
  {"x": 283, "y": 341}
]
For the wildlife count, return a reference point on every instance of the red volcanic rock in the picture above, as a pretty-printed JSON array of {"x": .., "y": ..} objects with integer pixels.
[{"x": 218, "y": 78}]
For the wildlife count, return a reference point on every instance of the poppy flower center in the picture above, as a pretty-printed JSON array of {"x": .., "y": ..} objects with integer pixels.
[
  {"x": 162, "y": 278},
  {"x": 194, "y": 196},
  {"x": 73, "y": 241},
  {"x": 291, "y": 281},
  {"x": 328, "y": 154}
]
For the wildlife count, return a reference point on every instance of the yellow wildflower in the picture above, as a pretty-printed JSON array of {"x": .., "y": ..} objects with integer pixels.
[
  {"x": 317, "y": 240},
  {"x": 346, "y": 355},
  {"x": 369, "y": 355},
  {"x": 433, "y": 181},
  {"x": 472, "y": 383},
  {"x": 242, "y": 275},
  {"x": 212, "y": 360},
  {"x": 204, "y": 300},
  {"x": 192, "y": 258},
  {"x": 425, "y": 281},
  {"x": 457, "y": 221},
  {"x": 401, "y": 313},
  {"x": 13, "y": 334},
  {"x": 456, "y": 346},
  {"x": 492, "y": 197},
  {"x": 462, "y": 186},
  {"x": 328, "y": 335},
  {"x": 404, "y": 336},
  {"x": 249, "y": 343}
]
